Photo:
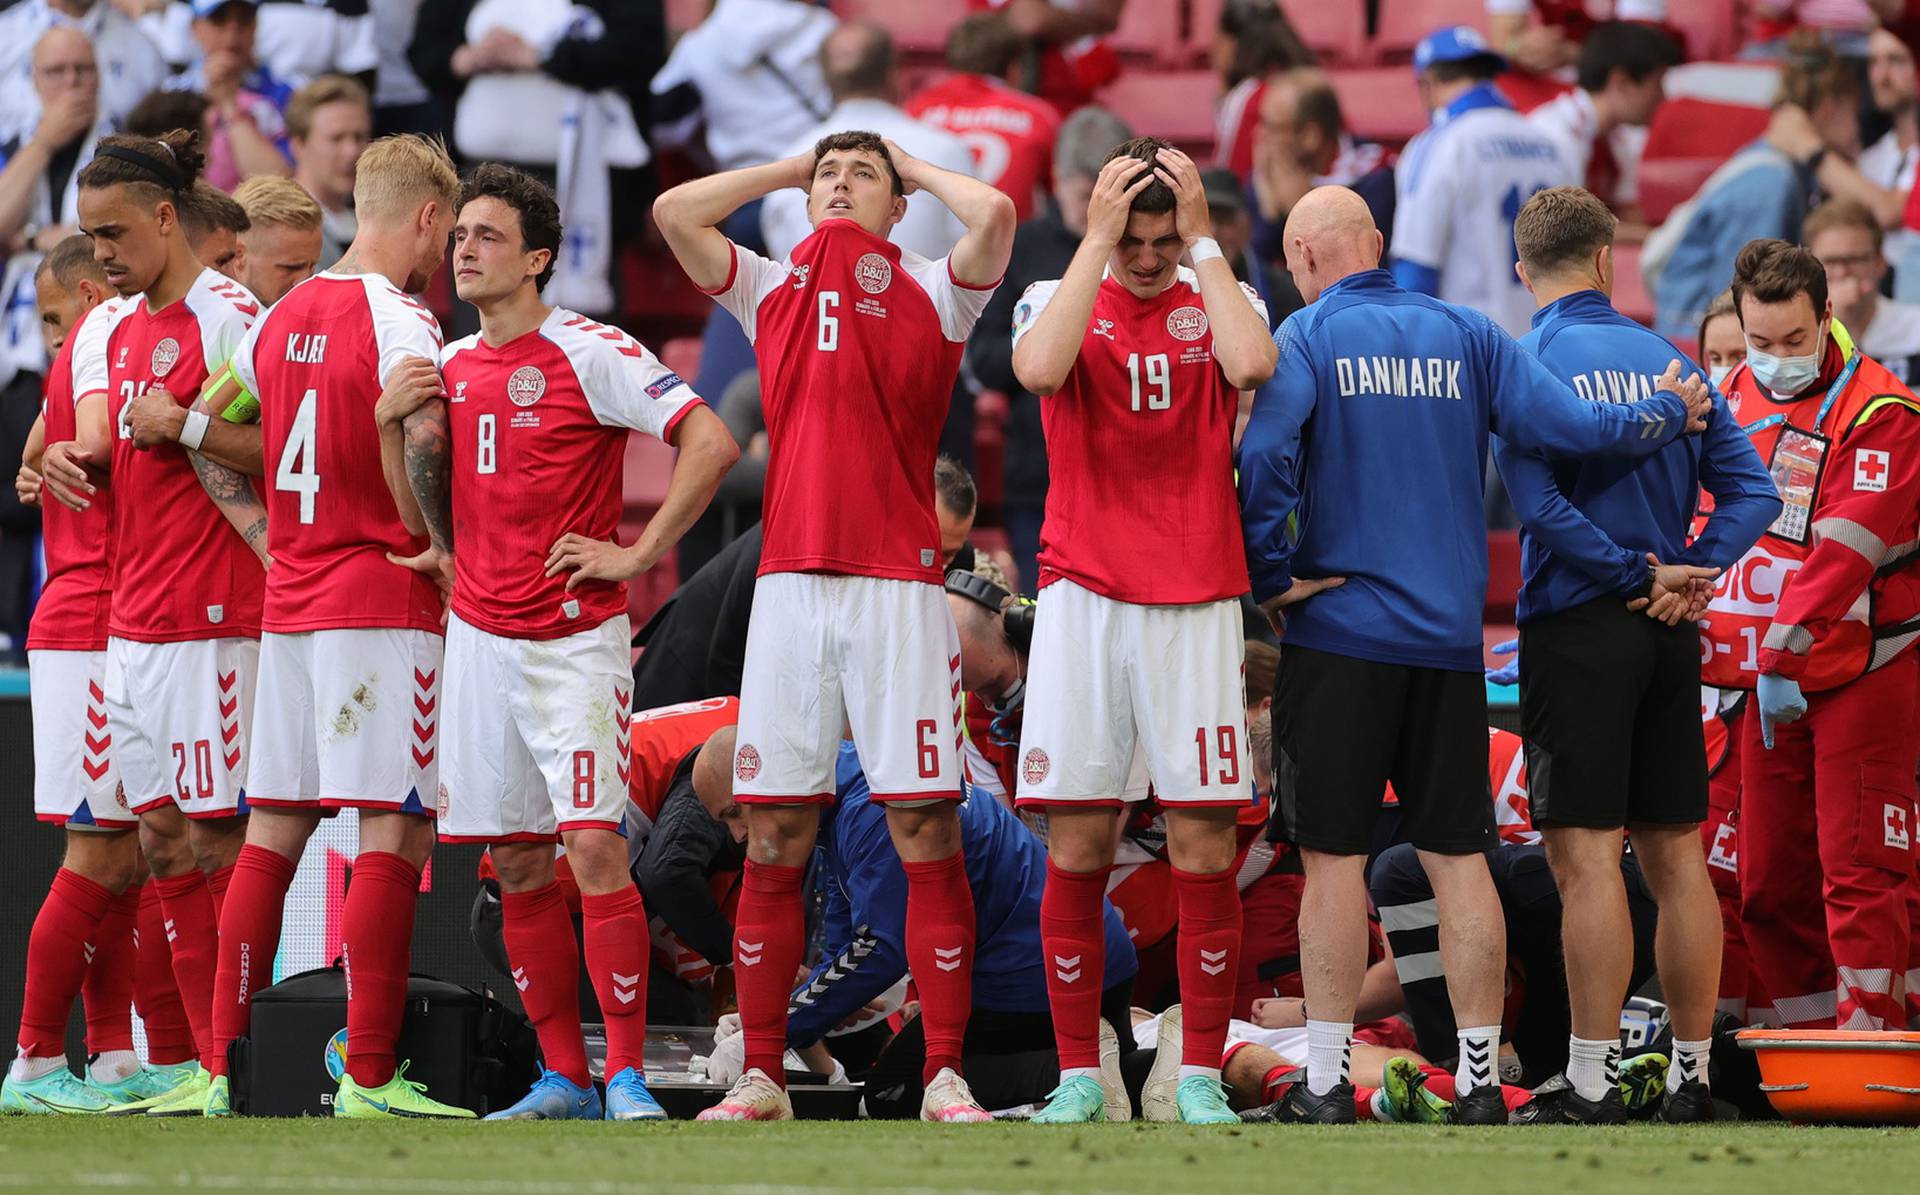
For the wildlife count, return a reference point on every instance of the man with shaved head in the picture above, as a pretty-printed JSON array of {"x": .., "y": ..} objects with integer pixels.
[{"x": 1360, "y": 489}]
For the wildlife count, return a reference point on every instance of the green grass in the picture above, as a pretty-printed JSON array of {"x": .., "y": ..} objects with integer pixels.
[{"x": 53, "y": 1155}]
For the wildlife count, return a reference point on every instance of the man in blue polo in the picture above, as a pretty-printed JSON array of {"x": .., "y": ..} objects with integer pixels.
[
  {"x": 1360, "y": 489},
  {"x": 1610, "y": 662}
]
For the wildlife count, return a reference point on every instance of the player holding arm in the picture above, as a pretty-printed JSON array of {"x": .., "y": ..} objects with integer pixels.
[
  {"x": 858, "y": 343},
  {"x": 1134, "y": 676}
]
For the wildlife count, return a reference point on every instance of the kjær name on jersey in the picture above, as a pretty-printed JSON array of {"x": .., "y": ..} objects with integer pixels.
[
  {"x": 1401, "y": 377},
  {"x": 307, "y": 348}
]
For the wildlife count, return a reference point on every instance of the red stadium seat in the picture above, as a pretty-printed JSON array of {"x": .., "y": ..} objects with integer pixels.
[
  {"x": 1176, "y": 105},
  {"x": 683, "y": 15},
  {"x": 1630, "y": 295},
  {"x": 682, "y": 356},
  {"x": 1503, "y": 575},
  {"x": 1335, "y": 31},
  {"x": 1689, "y": 140},
  {"x": 1708, "y": 26},
  {"x": 1404, "y": 22},
  {"x": 1379, "y": 103},
  {"x": 918, "y": 26},
  {"x": 1151, "y": 30}
]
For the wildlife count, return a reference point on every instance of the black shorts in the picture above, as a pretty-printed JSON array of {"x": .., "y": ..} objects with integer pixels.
[
  {"x": 1610, "y": 710},
  {"x": 1344, "y": 727}
]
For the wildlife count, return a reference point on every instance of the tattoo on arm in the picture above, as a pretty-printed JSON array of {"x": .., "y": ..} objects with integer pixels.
[
  {"x": 254, "y": 531},
  {"x": 429, "y": 463},
  {"x": 227, "y": 487}
]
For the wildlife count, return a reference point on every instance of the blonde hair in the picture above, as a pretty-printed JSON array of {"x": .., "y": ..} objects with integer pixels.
[
  {"x": 327, "y": 89},
  {"x": 271, "y": 199},
  {"x": 399, "y": 173}
]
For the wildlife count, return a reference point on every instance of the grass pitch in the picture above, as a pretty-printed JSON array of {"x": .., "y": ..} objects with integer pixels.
[
  {"x": 439, "y": 1158},
  {"x": 277, "y": 1157}
]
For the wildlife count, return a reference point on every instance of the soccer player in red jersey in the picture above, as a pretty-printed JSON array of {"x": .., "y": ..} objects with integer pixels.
[
  {"x": 1135, "y": 672},
  {"x": 1010, "y": 132},
  {"x": 182, "y": 643},
  {"x": 858, "y": 344},
  {"x": 82, "y": 941},
  {"x": 350, "y": 654},
  {"x": 539, "y": 680}
]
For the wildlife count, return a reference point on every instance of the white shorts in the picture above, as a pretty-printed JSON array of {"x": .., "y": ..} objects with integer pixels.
[
  {"x": 536, "y": 734},
  {"x": 75, "y": 781},
  {"x": 1290, "y": 1044},
  {"x": 828, "y": 652},
  {"x": 1120, "y": 696},
  {"x": 348, "y": 719},
  {"x": 179, "y": 714}
]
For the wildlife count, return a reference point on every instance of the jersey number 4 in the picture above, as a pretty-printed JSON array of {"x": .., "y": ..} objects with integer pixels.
[{"x": 299, "y": 469}]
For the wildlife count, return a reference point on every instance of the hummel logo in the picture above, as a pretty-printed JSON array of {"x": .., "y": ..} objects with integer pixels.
[
  {"x": 1103, "y": 327},
  {"x": 624, "y": 986},
  {"x": 86, "y": 948},
  {"x": 1213, "y": 962},
  {"x": 520, "y": 980},
  {"x": 947, "y": 959},
  {"x": 748, "y": 952},
  {"x": 1066, "y": 970},
  {"x": 171, "y": 936}
]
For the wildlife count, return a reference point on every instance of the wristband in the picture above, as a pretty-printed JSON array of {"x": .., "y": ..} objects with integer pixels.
[
  {"x": 194, "y": 430},
  {"x": 1205, "y": 249}
]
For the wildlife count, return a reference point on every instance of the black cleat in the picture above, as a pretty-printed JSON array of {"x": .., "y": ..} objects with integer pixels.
[
  {"x": 1556, "y": 1102},
  {"x": 1483, "y": 1105},
  {"x": 1300, "y": 1106},
  {"x": 1689, "y": 1103}
]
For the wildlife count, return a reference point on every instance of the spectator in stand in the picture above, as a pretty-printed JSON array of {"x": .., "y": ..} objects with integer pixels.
[
  {"x": 1252, "y": 41},
  {"x": 1763, "y": 191},
  {"x": 1067, "y": 62},
  {"x": 1010, "y": 132},
  {"x": 401, "y": 101},
  {"x": 1303, "y": 144},
  {"x": 1542, "y": 36},
  {"x": 1843, "y": 24},
  {"x": 296, "y": 39},
  {"x": 1042, "y": 247},
  {"x": 127, "y": 63},
  {"x": 1846, "y": 238},
  {"x": 1889, "y": 162},
  {"x": 1233, "y": 230},
  {"x": 1601, "y": 124},
  {"x": 1463, "y": 180},
  {"x": 163, "y": 111},
  {"x": 246, "y": 102},
  {"x": 283, "y": 236},
  {"x": 329, "y": 122},
  {"x": 1723, "y": 345}
]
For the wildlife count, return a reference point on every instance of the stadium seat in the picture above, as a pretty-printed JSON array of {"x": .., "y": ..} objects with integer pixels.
[
  {"x": 1689, "y": 140},
  {"x": 918, "y": 26},
  {"x": 683, "y": 15},
  {"x": 682, "y": 356},
  {"x": 658, "y": 302},
  {"x": 1152, "y": 32},
  {"x": 1630, "y": 295},
  {"x": 1176, "y": 105},
  {"x": 1709, "y": 27},
  {"x": 1404, "y": 22},
  {"x": 1503, "y": 575},
  {"x": 1379, "y": 103},
  {"x": 1336, "y": 32}
]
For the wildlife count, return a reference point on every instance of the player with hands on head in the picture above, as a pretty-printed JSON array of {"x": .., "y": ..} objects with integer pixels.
[
  {"x": 1134, "y": 675},
  {"x": 539, "y": 692},
  {"x": 859, "y": 342}
]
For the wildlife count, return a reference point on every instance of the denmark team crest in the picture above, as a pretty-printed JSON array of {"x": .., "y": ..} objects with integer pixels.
[
  {"x": 164, "y": 355},
  {"x": 873, "y": 272},
  {"x": 1186, "y": 323},
  {"x": 746, "y": 762},
  {"x": 526, "y": 386},
  {"x": 1034, "y": 768}
]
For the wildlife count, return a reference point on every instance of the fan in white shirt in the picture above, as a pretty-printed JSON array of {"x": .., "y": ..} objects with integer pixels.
[
  {"x": 1844, "y": 235},
  {"x": 1601, "y": 125},
  {"x": 1889, "y": 162}
]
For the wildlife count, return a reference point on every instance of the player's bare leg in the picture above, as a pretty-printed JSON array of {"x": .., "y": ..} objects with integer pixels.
[
  {"x": 1674, "y": 863},
  {"x": 1597, "y": 940},
  {"x": 1202, "y": 845},
  {"x": 1081, "y": 840},
  {"x": 940, "y": 935},
  {"x": 1473, "y": 938},
  {"x": 250, "y": 921},
  {"x": 768, "y": 945},
  {"x": 1333, "y": 961}
]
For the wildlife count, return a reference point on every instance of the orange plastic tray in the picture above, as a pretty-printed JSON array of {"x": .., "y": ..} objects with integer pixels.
[{"x": 1837, "y": 1076}]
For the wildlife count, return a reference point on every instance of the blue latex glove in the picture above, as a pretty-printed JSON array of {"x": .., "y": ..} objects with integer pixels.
[
  {"x": 1780, "y": 702},
  {"x": 1508, "y": 673}
]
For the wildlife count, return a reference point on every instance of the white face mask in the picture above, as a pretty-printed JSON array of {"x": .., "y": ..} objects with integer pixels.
[
  {"x": 1717, "y": 374},
  {"x": 1786, "y": 375}
]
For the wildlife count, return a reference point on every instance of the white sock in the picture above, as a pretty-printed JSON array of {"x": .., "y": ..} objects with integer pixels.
[
  {"x": 111, "y": 1066},
  {"x": 1329, "y": 1053},
  {"x": 1203, "y": 1072},
  {"x": 1079, "y": 1072},
  {"x": 25, "y": 1068},
  {"x": 1479, "y": 1054},
  {"x": 1689, "y": 1062},
  {"x": 1593, "y": 1066}
]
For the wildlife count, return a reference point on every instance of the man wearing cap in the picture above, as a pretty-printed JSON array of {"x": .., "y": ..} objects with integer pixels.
[
  {"x": 246, "y": 102},
  {"x": 1462, "y": 182}
]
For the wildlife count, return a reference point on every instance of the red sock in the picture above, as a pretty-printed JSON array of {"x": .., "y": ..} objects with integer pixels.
[
  {"x": 217, "y": 883},
  {"x": 155, "y": 993},
  {"x": 57, "y": 960},
  {"x": 1440, "y": 1083},
  {"x": 249, "y": 938},
  {"x": 615, "y": 928},
  {"x": 376, "y": 939},
  {"x": 1274, "y": 1084},
  {"x": 1073, "y": 945},
  {"x": 769, "y": 940},
  {"x": 940, "y": 933},
  {"x": 546, "y": 969},
  {"x": 1363, "y": 1102},
  {"x": 1209, "y": 960},
  {"x": 194, "y": 935},
  {"x": 108, "y": 988}
]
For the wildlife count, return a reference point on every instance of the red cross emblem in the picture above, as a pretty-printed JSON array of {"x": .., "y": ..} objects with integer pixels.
[
  {"x": 1870, "y": 467},
  {"x": 1897, "y": 835}
]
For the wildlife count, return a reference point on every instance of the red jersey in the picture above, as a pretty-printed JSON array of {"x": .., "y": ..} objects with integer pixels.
[
  {"x": 1010, "y": 133},
  {"x": 77, "y": 597},
  {"x": 859, "y": 343},
  {"x": 317, "y": 362},
  {"x": 1069, "y": 73},
  {"x": 1236, "y": 124},
  {"x": 539, "y": 429},
  {"x": 1141, "y": 507},
  {"x": 660, "y": 740},
  {"x": 180, "y": 570}
]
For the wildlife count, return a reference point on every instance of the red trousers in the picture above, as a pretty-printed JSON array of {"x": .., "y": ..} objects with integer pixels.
[
  {"x": 1740, "y": 990},
  {"x": 1826, "y": 851}
]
